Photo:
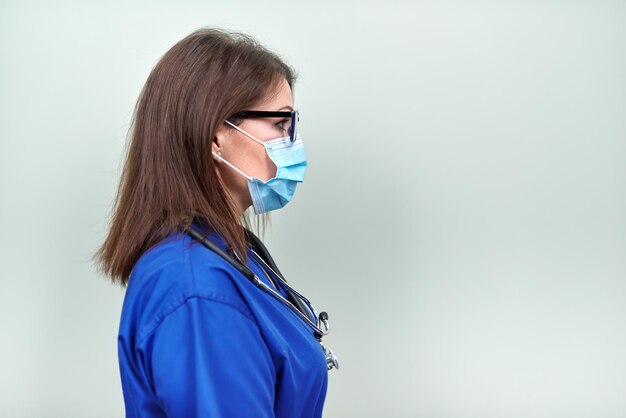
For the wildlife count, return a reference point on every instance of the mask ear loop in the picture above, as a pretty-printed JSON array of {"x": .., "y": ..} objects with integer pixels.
[
  {"x": 232, "y": 166},
  {"x": 244, "y": 132}
]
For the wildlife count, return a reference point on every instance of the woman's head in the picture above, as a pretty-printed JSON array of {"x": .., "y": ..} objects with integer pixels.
[
  {"x": 170, "y": 172},
  {"x": 240, "y": 148}
]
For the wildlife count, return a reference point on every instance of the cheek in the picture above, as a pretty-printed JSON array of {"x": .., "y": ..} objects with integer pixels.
[
  {"x": 264, "y": 167},
  {"x": 247, "y": 156},
  {"x": 270, "y": 167},
  {"x": 254, "y": 161}
]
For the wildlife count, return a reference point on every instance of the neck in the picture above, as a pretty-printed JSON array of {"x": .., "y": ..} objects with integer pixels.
[{"x": 240, "y": 200}]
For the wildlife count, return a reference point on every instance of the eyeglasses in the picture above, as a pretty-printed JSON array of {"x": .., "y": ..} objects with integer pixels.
[{"x": 293, "y": 118}]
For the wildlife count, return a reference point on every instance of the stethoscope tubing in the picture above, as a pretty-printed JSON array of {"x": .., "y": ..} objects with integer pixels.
[{"x": 249, "y": 274}]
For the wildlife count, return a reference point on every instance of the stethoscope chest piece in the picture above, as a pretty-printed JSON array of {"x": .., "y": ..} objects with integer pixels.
[{"x": 331, "y": 358}]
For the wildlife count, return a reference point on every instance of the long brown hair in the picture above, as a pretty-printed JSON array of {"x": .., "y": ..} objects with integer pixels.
[{"x": 169, "y": 173}]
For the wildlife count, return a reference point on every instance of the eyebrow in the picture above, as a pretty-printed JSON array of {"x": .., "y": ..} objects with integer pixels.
[{"x": 286, "y": 107}]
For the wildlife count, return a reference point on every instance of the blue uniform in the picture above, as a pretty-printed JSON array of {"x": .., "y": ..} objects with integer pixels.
[{"x": 198, "y": 339}]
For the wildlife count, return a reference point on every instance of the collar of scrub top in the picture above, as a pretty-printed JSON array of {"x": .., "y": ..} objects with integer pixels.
[
  {"x": 320, "y": 329},
  {"x": 217, "y": 244}
]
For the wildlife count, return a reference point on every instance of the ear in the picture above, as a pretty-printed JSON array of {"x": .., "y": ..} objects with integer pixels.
[{"x": 219, "y": 139}]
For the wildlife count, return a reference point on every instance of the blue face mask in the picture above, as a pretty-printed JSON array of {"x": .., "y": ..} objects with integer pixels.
[{"x": 290, "y": 160}]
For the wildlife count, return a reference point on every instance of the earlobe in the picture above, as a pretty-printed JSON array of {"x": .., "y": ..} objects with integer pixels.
[
  {"x": 217, "y": 145},
  {"x": 216, "y": 153}
]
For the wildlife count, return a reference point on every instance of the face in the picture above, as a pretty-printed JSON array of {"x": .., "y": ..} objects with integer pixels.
[{"x": 246, "y": 154}]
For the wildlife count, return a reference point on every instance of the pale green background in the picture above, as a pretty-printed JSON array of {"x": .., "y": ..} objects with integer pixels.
[{"x": 462, "y": 220}]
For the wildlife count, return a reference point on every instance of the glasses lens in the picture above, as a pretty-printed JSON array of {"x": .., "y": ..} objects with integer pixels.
[{"x": 293, "y": 129}]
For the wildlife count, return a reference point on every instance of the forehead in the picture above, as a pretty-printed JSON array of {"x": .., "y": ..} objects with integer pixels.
[{"x": 278, "y": 97}]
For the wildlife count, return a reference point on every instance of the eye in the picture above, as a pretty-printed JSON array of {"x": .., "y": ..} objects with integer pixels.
[{"x": 281, "y": 124}]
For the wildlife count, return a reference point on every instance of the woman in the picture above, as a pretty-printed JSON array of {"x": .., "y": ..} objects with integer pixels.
[{"x": 209, "y": 328}]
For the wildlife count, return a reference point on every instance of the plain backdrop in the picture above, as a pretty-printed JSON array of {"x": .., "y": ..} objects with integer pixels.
[{"x": 462, "y": 220}]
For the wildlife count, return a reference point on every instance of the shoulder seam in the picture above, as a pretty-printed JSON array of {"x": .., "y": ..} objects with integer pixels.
[{"x": 210, "y": 296}]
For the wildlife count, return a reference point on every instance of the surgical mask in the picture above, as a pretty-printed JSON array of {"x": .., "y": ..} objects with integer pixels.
[{"x": 290, "y": 160}]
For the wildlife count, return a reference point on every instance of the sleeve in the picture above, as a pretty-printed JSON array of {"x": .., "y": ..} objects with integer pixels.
[{"x": 208, "y": 359}]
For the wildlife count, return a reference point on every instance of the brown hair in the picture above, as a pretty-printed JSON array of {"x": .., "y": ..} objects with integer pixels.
[{"x": 169, "y": 173}]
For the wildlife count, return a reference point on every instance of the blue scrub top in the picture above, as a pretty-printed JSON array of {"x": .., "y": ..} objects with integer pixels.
[{"x": 198, "y": 339}]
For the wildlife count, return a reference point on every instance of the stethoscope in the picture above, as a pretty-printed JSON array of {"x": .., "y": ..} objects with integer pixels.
[{"x": 320, "y": 329}]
